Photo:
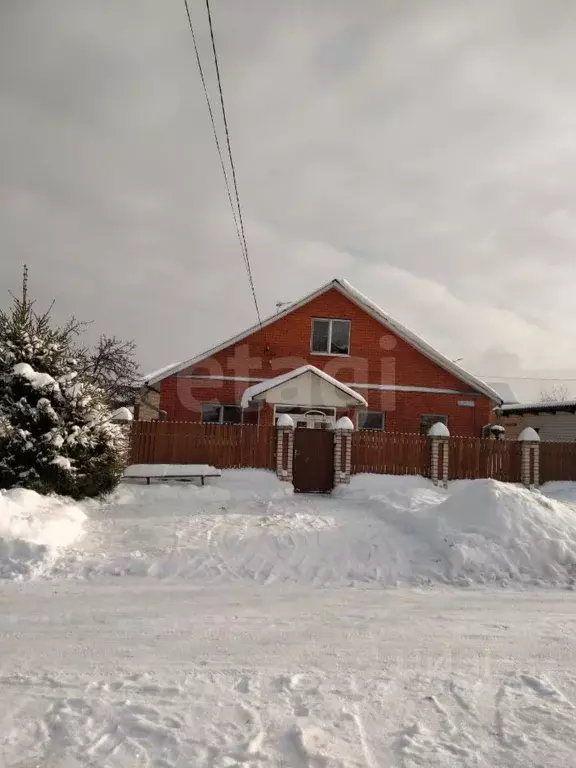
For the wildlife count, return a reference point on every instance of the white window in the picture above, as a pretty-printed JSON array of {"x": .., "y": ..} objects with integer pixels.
[
  {"x": 370, "y": 420},
  {"x": 330, "y": 337},
  {"x": 428, "y": 420},
  {"x": 212, "y": 413}
]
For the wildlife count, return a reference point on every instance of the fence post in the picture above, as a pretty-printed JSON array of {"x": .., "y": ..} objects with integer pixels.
[
  {"x": 530, "y": 440},
  {"x": 439, "y": 435},
  {"x": 284, "y": 426},
  {"x": 343, "y": 448}
]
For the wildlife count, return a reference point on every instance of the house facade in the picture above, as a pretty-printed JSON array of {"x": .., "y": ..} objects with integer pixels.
[{"x": 332, "y": 353}]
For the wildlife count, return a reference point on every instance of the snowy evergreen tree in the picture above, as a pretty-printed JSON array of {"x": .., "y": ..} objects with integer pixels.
[{"x": 55, "y": 433}]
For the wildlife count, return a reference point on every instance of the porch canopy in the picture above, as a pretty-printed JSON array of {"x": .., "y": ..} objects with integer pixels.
[{"x": 307, "y": 387}]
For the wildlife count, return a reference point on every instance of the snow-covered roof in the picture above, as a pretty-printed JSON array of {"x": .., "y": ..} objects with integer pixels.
[
  {"x": 122, "y": 414},
  {"x": 358, "y": 298},
  {"x": 264, "y": 386},
  {"x": 157, "y": 375},
  {"x": 560, "y": 406},
  {"x": 504, "y": 390}
]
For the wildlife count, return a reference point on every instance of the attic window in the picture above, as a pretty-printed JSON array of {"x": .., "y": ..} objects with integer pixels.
[{"x": 330, "y": 337}]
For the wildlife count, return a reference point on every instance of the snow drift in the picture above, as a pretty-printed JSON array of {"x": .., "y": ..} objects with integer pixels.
[
  {"x": 379, "y": 531},
  {"x": 34, "y": 529},
  {"x": 495, "y": 531}
]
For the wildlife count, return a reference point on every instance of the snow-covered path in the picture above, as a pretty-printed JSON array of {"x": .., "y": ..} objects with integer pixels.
[
  {"x": 133, "y": 674},
  {"x": 238, "y": 626}
]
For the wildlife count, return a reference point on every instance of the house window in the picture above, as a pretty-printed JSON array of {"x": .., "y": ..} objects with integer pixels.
[
  {"x": 370, "y": 420},
  {"x": 221, "y": 414},
  {"x": 331, "y": 337},
  {"x": 427, "y": 420}
]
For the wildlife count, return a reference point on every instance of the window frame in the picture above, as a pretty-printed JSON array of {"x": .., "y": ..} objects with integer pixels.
[
  {"x": 221, "y": 407},
  {"x": 330, "y": 320},
  {"x": 371, "y": 429},
  {"x": 439, "y": 417}
]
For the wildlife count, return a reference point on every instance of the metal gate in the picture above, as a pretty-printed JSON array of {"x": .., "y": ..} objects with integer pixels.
[{"x": 313, "y": 468}]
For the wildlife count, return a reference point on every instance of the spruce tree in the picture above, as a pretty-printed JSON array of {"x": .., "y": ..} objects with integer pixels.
[{"x": 55, "y": 432}]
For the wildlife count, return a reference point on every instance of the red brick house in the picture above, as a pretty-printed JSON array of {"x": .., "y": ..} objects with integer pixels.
[{"x": 334, "y": 352}]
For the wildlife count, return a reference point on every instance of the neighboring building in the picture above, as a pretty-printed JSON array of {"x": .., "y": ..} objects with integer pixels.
[
  {"x": 554, "y": 422},
  {"x": 502, "y": 388},
  {"x": 330, "y": 354}
]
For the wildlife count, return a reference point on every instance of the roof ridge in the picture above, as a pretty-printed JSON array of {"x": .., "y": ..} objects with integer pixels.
[{"x": 347, "y": 289}]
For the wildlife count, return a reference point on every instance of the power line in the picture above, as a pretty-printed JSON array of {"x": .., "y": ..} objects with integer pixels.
[
  {"x": 225, "y": 119},
  {"x": 520, "y": 378},
  {"x": 236, "y": 216},
  {"x": 212, "y": 120}
]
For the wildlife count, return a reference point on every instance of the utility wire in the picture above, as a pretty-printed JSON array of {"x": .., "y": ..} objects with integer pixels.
[
  {"x": 212, "y": 120},
  {"x": 237, "y": 216},
  {"x": 235, "y": 182},
  {"x": 520, "y": 378}
]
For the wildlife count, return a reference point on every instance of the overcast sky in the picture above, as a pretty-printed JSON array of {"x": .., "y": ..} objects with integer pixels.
[{"x": 424, "y": 151}]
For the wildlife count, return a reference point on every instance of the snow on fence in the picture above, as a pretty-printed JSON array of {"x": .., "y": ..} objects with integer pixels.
[{"x": 221, "y": 445}]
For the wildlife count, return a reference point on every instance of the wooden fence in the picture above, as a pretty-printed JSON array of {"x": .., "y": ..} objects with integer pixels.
[
  {"x": 557, "y": 461},
  {"x": 390, "y": 453},
  {"x": 229, "y": 446},
  {"x": 221, "y": 445},
  {"x": 471, "y": 458}
]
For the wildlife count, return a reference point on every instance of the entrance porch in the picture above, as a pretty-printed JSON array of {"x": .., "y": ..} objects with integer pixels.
[{"x": 311, "y": 397}]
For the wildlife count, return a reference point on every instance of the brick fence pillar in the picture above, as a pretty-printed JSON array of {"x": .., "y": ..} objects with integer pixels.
[
  {"x": 284, "y": 447},
  {"x": 530, "y": 458},
  {"x": 343, "y": 450},
  {"x": 439, "y": 453}
]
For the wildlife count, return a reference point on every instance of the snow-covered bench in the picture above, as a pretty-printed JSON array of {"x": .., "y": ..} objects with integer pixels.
[{"x": 171, "y": 471}]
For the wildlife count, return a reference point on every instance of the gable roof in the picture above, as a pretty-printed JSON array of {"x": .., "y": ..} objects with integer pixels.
[
  {"x": 358, "y": 298},
  {"x": 268, "y": 384}
]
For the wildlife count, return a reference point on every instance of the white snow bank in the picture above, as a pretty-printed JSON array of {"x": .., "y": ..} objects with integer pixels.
[
  {"x": 498, "y": 531},
  {"x": 34, "y": 529},
  {"x": 378, "y": 531}
]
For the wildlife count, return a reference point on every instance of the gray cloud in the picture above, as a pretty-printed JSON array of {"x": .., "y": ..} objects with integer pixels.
[{"x": 424, "y": 151}]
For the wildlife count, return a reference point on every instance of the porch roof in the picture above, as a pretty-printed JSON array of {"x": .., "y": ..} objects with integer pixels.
[{"x": 349, "y": 397}]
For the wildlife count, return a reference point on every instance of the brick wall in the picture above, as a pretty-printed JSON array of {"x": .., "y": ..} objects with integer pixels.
[{"x": 376, "y": 356}]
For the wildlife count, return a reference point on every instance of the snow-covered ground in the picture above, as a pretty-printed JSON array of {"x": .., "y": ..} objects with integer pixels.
[{"x": 239, "y": 625}]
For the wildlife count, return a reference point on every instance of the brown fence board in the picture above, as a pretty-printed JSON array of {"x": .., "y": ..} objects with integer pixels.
[
  {"x": 472, "y": 458},
  {"x": 221, "y": 445},
  {"x": 390, "y": 453},
  {"x": 237, "y": 446},
  {"x": 557, "y": 461}
]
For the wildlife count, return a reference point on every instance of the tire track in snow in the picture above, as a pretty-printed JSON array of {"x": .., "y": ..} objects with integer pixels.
[{"x": 357, "y": 714}]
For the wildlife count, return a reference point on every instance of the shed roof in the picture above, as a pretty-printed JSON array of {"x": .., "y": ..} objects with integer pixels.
[{"x": 517, "y": 409}]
